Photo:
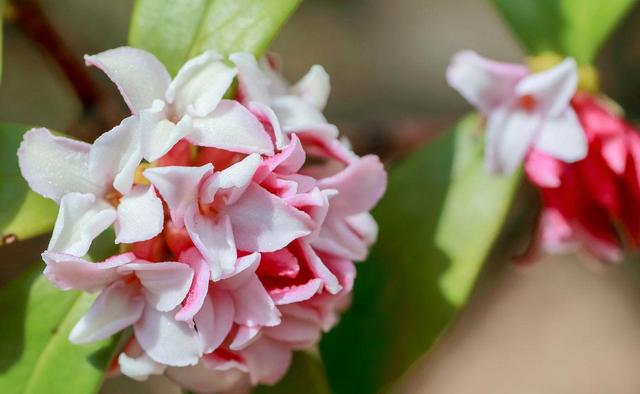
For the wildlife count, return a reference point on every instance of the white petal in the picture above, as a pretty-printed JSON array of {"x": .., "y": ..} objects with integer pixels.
[
  {"x": 54, "y": 166},
  {"x": 159, "y": 134},
  {"x": 140, "y": 215},
  {"x": 510, "y": 134},
  {"x": 253, "y": 306},
  {"x": 214, "y": 240},
  {"x": 140, "y": 77},
  {"x": 116, "y": 308},
  {"x": 231, "y": 127},
  {"x": 314, "y": 87},
  {"x": 563, "y": 138},
  {"x": 200, "y": 84},
  {"x": 214, "y": 320},
  {"x": 243, "y": 272},
  {"x": 165, "y": 284},
  {"x": 178, "y": 186},
  {"x": 296, "y": 115},
  {"x": 552, "y": 89},
  {"x": 139, "y": 368},
  {"x": 262, "y": 222},
  {"x": 244, "y": 337},
  {"x": 71, "y": 272},
  {"x": 82, "y": 217},
  {"x": 166, "y": 340},
  {"x": 236, "y": 177},
  {"x": 266, "y": 115},
  {"x": 254, "y": 84},
  {"x": 268, "y": 360}
]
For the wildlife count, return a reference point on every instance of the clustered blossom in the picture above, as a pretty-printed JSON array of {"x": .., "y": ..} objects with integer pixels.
[
  {"x": 592, "y": 203},
  {"x": 238, "y": 219},
  {"x": 582, "y": 156}
]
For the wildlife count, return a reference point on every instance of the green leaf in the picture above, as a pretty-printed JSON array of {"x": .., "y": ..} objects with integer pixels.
[
  {"x": 24, "y": 214},
  {"x": 438, "y": 221},
  {"x": 176, "y": 31},
  {"x": 306, "y": 375},
  {"x": 36, "y": 355},
  {"x": 575, "y": 28}
]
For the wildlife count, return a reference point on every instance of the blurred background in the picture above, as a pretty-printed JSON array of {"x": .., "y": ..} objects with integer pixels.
[{"x": 564, "y": 325}]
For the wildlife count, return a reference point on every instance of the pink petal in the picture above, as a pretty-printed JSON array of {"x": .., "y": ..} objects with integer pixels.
[
  {"x": 314, "y": 87},
  {"x": 201, "y": 379},
  {"x": 140, "y": 77},
  {"x": 319, "y": 269},
  {"x": 365, "y": 226},
  {"x": 159, "y": 134},
  {"x": 115, "y": 155},
  {"x": 253, "y": 306},
  {"x": 244, "y": 270},
  {"x": 262, "y": 222},
  {"x": 164, "y": 284},
  {"x": 563, "y": 138},
  {"x": 270, "y": 121},
  {"x": 140, "y": 215},
  {"x": 485, "y": 84},
  {"x": 296, "y": 293},
  {"x": 296, "y": 331},
  {"x": 139, "y": 368},
  {"x": 281, "y": 263},
  {"x": 614, "y": 151},
  {"x": 200, "y": 84},
  {"x": 116, "y": 308},
  {"x": 543, "y": 170},
  {"x": 178, "y": 186},
  {"x": 82, "y": 217},
  {"x": 231, "y": 127},
  {"x": 289, "y": 161},
  {"x": 360, "y": 185},
  {"x": 244, "y": 337},
  {"x": 54, "y": 166},
  {"x": 214, "y": 239},
  {"x": 268, "y": 360},
  {"x": 199, "y": 285},
  {"x": 234, "y": 179},
  {"x": 338, "y": 238},
  {"x": 214, "y": 320},
  {"x": 166, "y": 340},
  {"x": 71, "y": 272},
  {"x": 551, "y": 89}
]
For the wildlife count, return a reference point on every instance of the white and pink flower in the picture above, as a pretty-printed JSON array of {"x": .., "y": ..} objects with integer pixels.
[{"x": 238, "y": 250}]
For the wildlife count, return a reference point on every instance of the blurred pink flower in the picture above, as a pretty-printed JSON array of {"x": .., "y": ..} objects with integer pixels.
[
  {"x": 524, "y": 110},
  {"x": 591, "y": 203}
]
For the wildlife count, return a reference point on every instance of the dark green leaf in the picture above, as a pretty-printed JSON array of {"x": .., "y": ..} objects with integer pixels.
[
  {"x": 569, "y": 27},
  {"x": 438, "y": 221},
  {"x": 36, "y": 355},
  {"x": 176, "y": 31},
  {"x": 306, "y": 375},
  {"x": 24, "y": 213}
]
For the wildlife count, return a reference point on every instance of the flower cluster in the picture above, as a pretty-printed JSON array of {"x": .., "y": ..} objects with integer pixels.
[
  {"x": 591, "y": 203},
  {"x": 238, "y": 219}
]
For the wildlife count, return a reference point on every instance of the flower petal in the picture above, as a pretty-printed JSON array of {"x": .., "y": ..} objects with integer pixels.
[
  {"x": 199, "y": 285},
  {"x": 166, "y": 340},
  {"x": 214, "y": 320},
  {"x": 296, "y": 293},
  {"x": 236, "y": 177},
  {"x": 82, "y": 217},
  {"x": 140, "y": 215},
  {"x": 139, "y": 368},
  {"x": 268, "y": 360},
  {"x": 510, "y": 133},
  {"x": 214, "y": 239},
  {"x": 71, "y": 272},
  {"x": 140, "y": 77},
  {"x": 244, "y": 337},
  {"x": 178, "y": 186},
  {"x": 262, "y": 222},
  {"x": 115, "y": 155},
  {"x": 54, "y": 166},
  {"x": 319, "y": 269},
  {"x": 314, "y": 87},
  {"x": 201, "y": 379},
  {"x": 295, "y": 331},
  {"x": 339, "y": 239},
  {"x": 296, "y": 115},
  {"x": 270, "y": 121},
  {"x": 245, "y": 268},
  {"x": 543, "y": 170},
  {"x": 485, "y": 84},
  {"x": 159, "y": 134},
  {"x": 360, "y": 186},
  {"x": 231, "y": 127},
  {"x": 253, "y": 306},
  {"x": 551, "y": 89},
  {"x": 254, "y": 84},
  {"x": 563, "y": 138},
  {"x": 200, "y": 84},
  {"x": 164, "y": 284},
  {"x": 116, "y": 308}
]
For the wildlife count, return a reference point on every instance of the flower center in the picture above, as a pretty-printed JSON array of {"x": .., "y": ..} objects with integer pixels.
[{"x": 527, "y": 102}]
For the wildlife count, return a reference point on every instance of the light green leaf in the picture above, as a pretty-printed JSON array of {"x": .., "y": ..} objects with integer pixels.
[
  {"x": 36, "y": 355},
  {"x": 438, "y": 221},
  {"x": 306, "y": 375},
  {"x": 176, "y": 31},
  {"x": 24, "y": 214},
  {"x": 575, "y": 28}
]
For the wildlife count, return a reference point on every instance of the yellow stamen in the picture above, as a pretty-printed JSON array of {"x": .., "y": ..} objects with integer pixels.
[{"x": 139, "y": 178}]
